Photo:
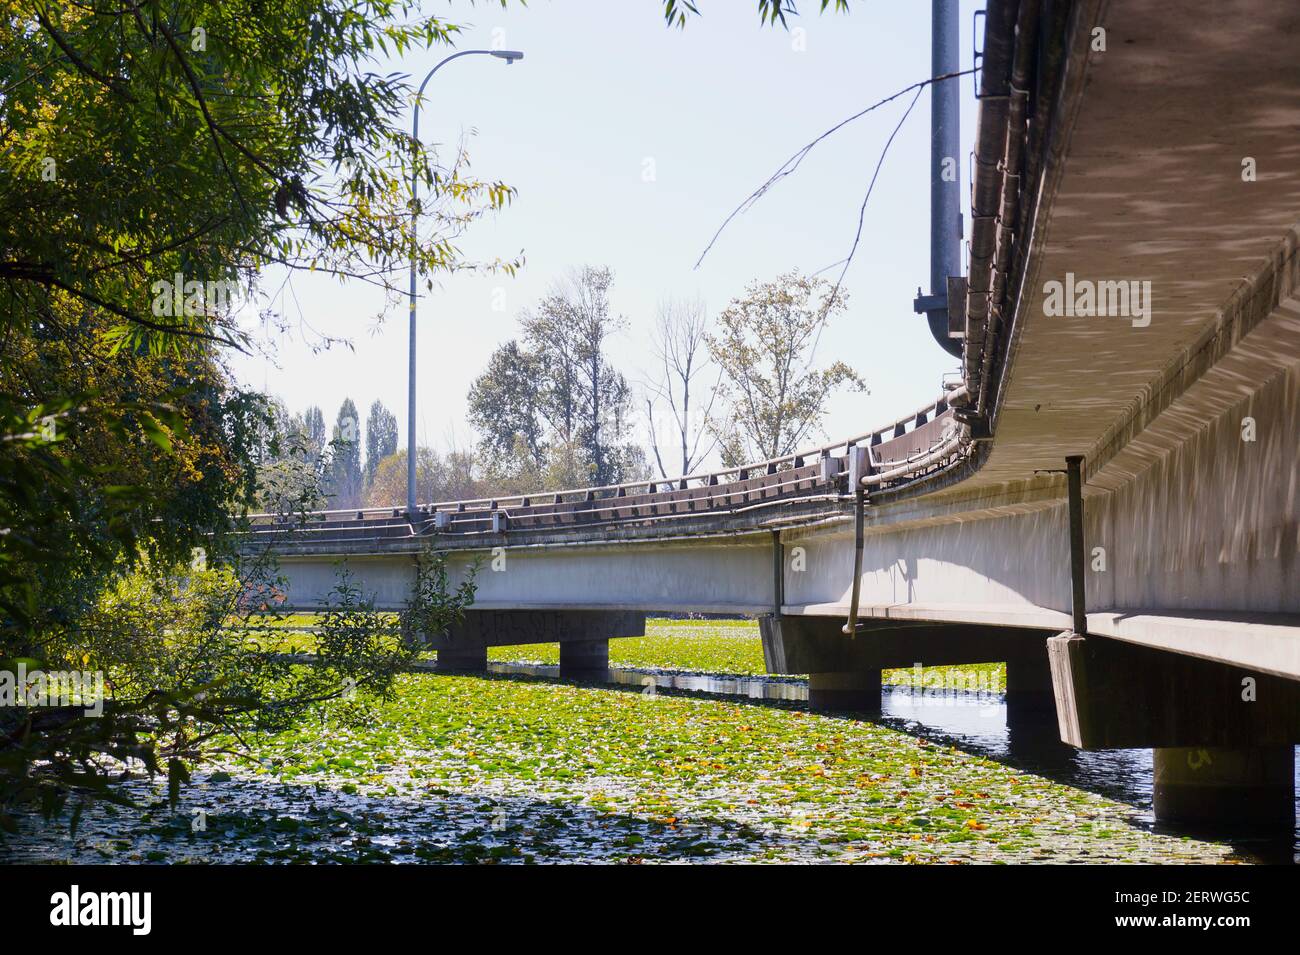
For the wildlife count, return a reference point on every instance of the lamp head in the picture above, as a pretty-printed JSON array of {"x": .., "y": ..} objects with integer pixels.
[{"x": 508, "y": 55}]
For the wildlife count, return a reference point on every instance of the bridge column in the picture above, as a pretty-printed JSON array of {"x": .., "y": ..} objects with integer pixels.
[
  {"x": 1251, "y": 788},
  {"x": 583, "y": 636},
  {"x": 851, "y": 691},
  {"x": 1030, "y": 700},
  {"x": 843, "y": 672},
  {"x": 1223, "y": 737},
  {"x": 462, "y": 659},
  {"x": 586, "y": 660}
]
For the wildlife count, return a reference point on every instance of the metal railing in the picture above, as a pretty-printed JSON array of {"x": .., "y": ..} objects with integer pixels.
[{"x": 907, "y": 449}]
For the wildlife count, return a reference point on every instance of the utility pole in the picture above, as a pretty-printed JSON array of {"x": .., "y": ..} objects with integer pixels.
[{"x": 509, "y": 56}]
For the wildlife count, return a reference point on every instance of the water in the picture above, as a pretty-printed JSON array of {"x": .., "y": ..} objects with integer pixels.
[
  {"x": 975, "y": 722},
  {"x": 775, "y": 689},
  {"x": 254, "y": 818},
  {"x": 1125, "y": 775}
]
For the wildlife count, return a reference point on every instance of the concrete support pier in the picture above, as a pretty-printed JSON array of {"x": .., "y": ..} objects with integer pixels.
[
  {"x": 583, "y": 636},
  {"x": 1230, "y": 790},
  {"x": 462, "y": 659},
  {"x": 1030, "y": 699},
  {"x": 853, "y": 691},
  {"x": 1223, "y": 738},
  {"x": 844, "y": 671},
  {"x": 586, "y": 660}
]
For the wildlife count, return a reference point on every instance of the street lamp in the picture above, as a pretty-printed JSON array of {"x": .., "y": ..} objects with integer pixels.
[{"x": 509, "y": 56}]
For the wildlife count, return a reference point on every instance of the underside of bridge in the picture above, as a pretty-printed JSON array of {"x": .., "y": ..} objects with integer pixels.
[{"x": 1149, "y": 172}]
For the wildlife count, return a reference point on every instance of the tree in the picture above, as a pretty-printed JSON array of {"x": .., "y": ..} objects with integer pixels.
[
  {"x": 450, "y": 477},
  {"x": 765, "y": 349},
  {"x": 559, "y": 392},
  {"x": 458, "y": 477},
  {"x": 345, "y": 475},
  {"x": 289, "y": 475},
  {"x": 381, "y": 438},
  {"x": 566, "y": 334},
  {"x": 434, "y": 608},
  {"x": 552, "y": 343},
  {"x": 314, "y": 430},
  {"x": 154, "y": 159},
  {"x": 388, "y": 486},
  {"x": 518, "y": 471},
  {"x": 603, "y": 394},
  {"x": 681, "y": 350},
  {"x": 190, "y": 150},
  {"x": 505, "y": 405}
]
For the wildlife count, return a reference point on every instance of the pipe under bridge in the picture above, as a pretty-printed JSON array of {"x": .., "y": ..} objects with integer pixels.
[{"x": 1132, "y": 300}]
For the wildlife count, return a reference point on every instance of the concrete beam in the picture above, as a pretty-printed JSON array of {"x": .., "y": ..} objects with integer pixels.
[
  {"x": 499, "y": 628},
  {"x": 1116, "y": 695},
  {"x": 803, "y": 644}
]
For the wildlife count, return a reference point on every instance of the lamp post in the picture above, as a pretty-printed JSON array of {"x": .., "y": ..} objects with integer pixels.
[{"x": 509, "y": 56}]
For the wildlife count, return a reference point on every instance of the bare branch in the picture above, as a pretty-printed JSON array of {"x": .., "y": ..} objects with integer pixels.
[{"x": 792, "y": 164}]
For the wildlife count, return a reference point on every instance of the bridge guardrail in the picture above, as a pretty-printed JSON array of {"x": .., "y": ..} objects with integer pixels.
[{"x": 910, "y": 447}]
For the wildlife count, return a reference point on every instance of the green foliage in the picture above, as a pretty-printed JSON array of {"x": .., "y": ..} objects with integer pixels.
[
  {"x": 356, "y": 644},
  {"x": 212, "y": 154},
  {"x": 164, "y": 631},
  {"x": 465, "y": 769},
  {"x": 292, "y": 481},
  {"x": 438, "y": 477},
  {"x": 206, "y": 140},
  {"x": 292, "y": 463},
  {"x": 680, "y": 777},
  {"x": 145, "y": 461},
  {"x": 89, "y": 489},
  {"x": 180, "y": 671},
  {"x": 505, "y": 407},
  {"x": 210, "y": 142},
  {"x": 314, "y": 428},
  {"x": 434, "y": 608},
  {"x": 770, "y": 12}
]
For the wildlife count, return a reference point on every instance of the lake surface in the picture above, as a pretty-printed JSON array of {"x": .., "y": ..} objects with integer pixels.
[
  {"x": 974, "y": 722},
  {"x": 396, "y": 812}
]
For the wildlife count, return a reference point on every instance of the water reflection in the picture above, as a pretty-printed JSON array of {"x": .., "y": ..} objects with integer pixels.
[
  {"x": 979, "y": 725},
  {"x": 975, "y": 722},
  {"x": 785, "y": 689}
]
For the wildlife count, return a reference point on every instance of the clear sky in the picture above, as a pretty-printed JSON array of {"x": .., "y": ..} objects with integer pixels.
[{"x": 606, "y": 92}]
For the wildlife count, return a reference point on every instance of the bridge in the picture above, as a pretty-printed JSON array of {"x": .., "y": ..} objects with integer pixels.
[{"x": 1106, "y": 494}]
